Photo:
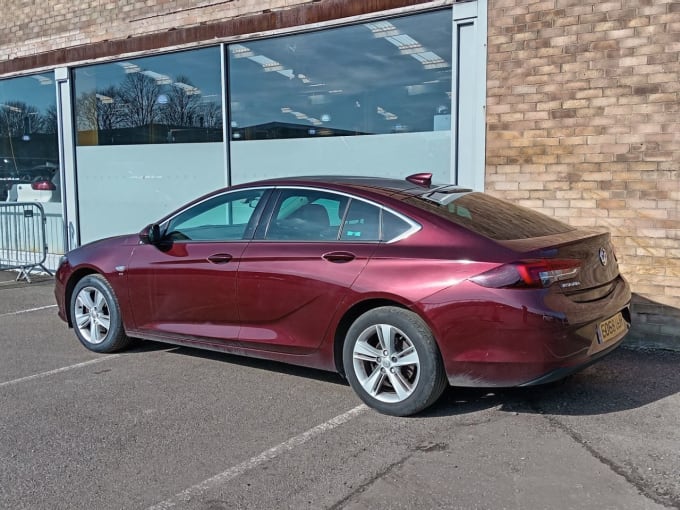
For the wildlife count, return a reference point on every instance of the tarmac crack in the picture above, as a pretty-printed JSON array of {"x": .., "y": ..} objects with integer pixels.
[
  {"x": 362, "y": 488},
  {"x": 632, "y": 478}
]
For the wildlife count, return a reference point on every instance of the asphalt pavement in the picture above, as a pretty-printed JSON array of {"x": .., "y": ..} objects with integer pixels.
[{"x": 160, "y": 427}]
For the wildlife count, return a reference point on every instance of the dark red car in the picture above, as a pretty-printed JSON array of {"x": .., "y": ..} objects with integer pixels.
[{"x": 402, "y": 286}]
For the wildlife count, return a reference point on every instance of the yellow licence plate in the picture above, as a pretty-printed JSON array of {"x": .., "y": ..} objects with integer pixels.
[{"x": 611, "y": 328}]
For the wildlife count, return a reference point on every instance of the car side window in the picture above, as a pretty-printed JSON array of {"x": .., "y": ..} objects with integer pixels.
[
  {"x": 362, "y": 222},
  {"x": 393, "y": 226},
  {"x": 221, "y": 218},
  {"x": 306, "y": 215}
]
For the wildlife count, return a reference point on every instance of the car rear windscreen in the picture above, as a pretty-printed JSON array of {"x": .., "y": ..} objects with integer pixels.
[{"x": 489, "y": 216}]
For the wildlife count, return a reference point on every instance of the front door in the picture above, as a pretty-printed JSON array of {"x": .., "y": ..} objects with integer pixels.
[{"x": 185, "y": 285}]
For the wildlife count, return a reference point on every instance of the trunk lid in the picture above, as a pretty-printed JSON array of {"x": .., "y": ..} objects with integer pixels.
[{"x": 598, "y": 268}]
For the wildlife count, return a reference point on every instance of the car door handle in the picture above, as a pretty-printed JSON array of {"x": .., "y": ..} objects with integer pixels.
[
  {"x": 219, "y": 258},
  {"x": 339, "y": 256}
]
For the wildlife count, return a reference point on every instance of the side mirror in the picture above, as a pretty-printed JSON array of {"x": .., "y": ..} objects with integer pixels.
[{"x": 151, "y": 234}]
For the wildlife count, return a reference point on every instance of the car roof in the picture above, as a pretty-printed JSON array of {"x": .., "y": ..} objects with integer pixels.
[
  {"x": 378, "y": 182},
  {"x": 366, "y": 183}
]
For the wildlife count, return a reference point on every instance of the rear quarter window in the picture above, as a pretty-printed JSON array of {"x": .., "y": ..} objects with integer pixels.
[{"x": 490, "y": 216}]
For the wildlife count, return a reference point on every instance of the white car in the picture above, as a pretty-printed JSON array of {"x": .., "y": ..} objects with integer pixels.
[{"x": 40, "y": 190}]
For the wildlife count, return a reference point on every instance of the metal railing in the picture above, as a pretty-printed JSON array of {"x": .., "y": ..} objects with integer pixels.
[{"x": 22, "y": 238}]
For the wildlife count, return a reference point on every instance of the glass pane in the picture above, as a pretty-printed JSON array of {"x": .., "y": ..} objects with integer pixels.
[
  {"x": 491, "y": 216},
  {"x": 29, "y": 153},
  {"x": 382, "y": 77},
  {"x": 29, "y": 157},
  {"x": 362, "y": 222},
  {"x": 367, "y": 99},
  {"x": 150, "y": 134},
  {"x": 306, "y": 215},
  {"x": 222, "y": 218},
  {"x": 393, "y": 226},
  {"x": 172, "y": 98}
]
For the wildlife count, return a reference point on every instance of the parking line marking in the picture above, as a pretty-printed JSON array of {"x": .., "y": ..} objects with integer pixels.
[
  {"x": 19, "y": 312},
  {"x": 231, "y": 473},
  {"x": 58, "y": 370}
]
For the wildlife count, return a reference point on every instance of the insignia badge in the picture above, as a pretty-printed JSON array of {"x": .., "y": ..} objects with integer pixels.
[{"x": 603, "y": 256}]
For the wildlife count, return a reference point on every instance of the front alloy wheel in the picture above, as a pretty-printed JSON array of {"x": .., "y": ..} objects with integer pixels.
[
  {"x": 392, "y": 361},
  {"x": 92, "y": 315},
  {"x": 95, "y": 315}
]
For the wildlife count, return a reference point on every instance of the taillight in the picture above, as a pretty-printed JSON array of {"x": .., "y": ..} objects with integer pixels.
[
  {"x": 43, "y": 186},
  {"x": 529, "y": 273}
]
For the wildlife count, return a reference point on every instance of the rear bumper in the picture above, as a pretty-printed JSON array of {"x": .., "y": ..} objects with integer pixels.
[
  {"x": 506, "y": 338},
  {"x": 562, "y": 372},
  {"x": 536, "y": 355}
]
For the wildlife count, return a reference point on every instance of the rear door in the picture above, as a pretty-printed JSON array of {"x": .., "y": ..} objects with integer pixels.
[{"x": 297, "y": 271}]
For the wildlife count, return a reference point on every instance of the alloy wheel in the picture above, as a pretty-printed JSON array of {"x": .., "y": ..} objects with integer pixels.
[
  {"x": 386, "y": 363},
  {"x": 92, "y": 315}
]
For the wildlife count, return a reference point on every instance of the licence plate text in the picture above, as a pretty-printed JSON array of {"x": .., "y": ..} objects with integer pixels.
[{"x": 611, "y": 328}]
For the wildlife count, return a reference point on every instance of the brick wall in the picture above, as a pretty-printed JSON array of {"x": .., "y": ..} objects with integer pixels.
[
  {"x": 46, "y": 25},
  {"x": 583, "y": 123}
]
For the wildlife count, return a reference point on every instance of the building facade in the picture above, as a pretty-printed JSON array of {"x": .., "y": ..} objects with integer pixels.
[
  {"x": 566, "y": 106},
  {"x": 583, "y": 101}
]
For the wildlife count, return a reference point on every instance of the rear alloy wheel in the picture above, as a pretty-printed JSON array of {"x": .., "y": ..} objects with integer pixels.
[
  {"x": 392, "y": 361},
  {"x": 96, "y": 315}
]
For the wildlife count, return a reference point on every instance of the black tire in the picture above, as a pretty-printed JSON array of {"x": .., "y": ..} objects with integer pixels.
[
  {"x": 420, "y": 383},
  {"x": 95, "y": 315}
]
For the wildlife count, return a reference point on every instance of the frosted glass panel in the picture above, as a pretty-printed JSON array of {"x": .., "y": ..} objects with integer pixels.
[
  {"x": 396, "y": 155},
  {"x": 123, "y": 188}
]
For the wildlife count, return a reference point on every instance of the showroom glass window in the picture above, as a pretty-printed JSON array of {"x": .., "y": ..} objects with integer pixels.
[
  {"x": 28, "y": 134},
  {"x": 372, "y": 98},
  {"x": 169, "y": 98},
  {"x": 149, "y": 132}
]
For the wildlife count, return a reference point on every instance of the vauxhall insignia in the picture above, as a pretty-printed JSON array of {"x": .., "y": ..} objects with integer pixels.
[{"x": 398, "y": 355}]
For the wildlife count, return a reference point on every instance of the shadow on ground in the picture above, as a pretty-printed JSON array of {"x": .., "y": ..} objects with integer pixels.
[
  {"x": 8, "y": 280},
  {"x": 627, "y": 379},
  {"x": 258, "y": 364}
]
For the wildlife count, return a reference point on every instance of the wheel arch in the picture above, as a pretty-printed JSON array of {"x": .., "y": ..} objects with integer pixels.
[
  {"x": 352, "y": 314},
  {"x": 77, "y": 275}
]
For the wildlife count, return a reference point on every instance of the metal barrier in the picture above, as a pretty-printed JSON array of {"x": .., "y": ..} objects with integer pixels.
[{"x": 22, "y": 238}]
